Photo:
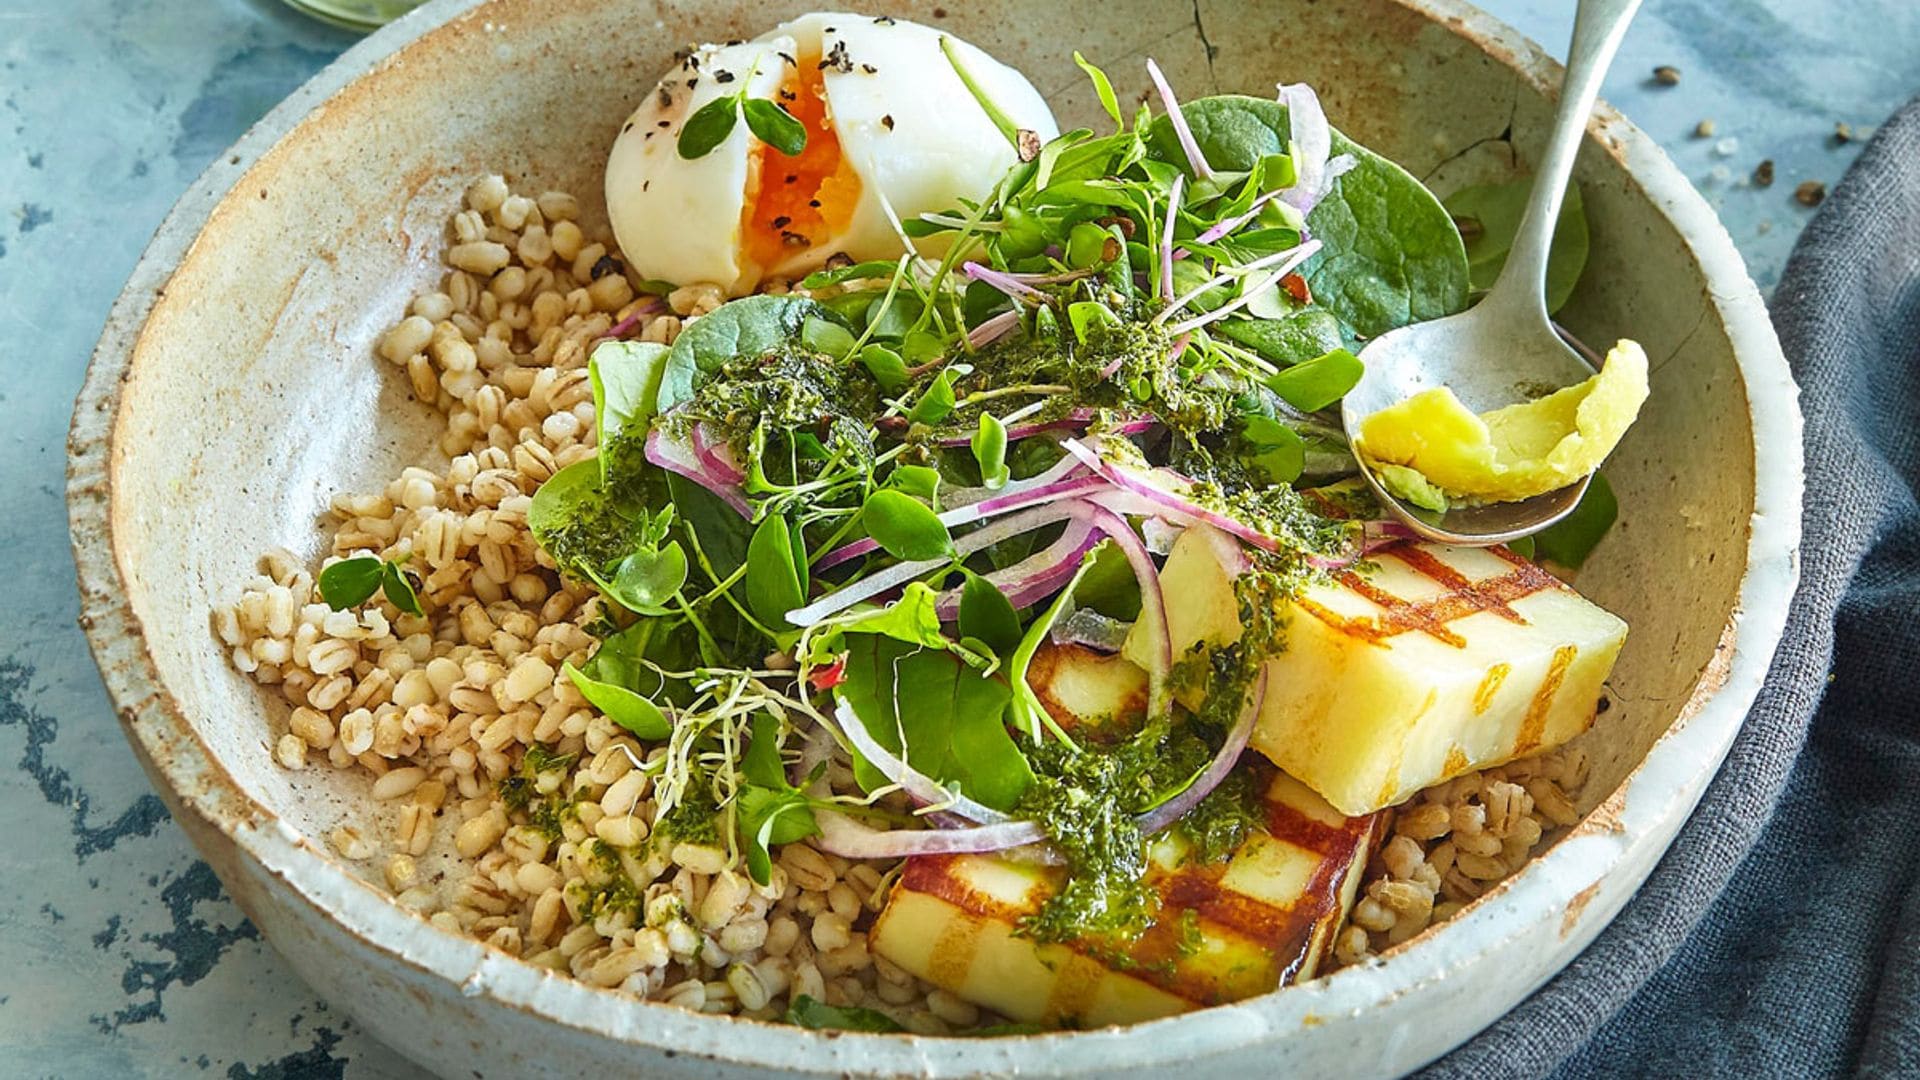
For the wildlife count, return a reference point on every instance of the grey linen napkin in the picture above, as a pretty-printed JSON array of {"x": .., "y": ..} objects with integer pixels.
[{"x": 1780, "y": 936}]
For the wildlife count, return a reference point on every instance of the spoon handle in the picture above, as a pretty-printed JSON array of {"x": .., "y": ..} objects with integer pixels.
[{"x": 1598, "y": 26}]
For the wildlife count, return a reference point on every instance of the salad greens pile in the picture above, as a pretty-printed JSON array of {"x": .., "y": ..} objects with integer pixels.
[{"x": 851, "y": 516}]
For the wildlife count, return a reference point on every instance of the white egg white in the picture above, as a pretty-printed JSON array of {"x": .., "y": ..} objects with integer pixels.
[
  {"x": 907, "y": 126},
  {"x": 676, "y": 219}
]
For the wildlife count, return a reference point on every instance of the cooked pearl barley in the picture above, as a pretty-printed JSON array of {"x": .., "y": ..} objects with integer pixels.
[{"x": 291, "y": 752}]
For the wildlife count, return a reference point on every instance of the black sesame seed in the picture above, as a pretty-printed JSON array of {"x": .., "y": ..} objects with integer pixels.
[
  {"x": 723, "y": 76},
  {"x": 815, "y": 203},
  {"x": 887, "y": 121},
  {"x": 1763, "y": 174},
  {"x": 663, "y": 123},
  {"x": 607, "y": 265},
  {"x": 782, "y": 221},
  {"x": 869, "y": 69},
  {"x": 628, "y": 126},
  {"x": 791, "y": 178},
  {"x": 883, "y": 20},
  {"x": 791, "y": 62}
]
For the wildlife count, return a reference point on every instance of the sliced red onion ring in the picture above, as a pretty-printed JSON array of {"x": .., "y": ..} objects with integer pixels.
[
  {"x": 1076, "y": 420},
  {"x": 1014, "y": 288},
  {"x": 1059, "y": 470},
  {"x": 632, "y": 319},
  {"x": 918, "y": 785},
  {"x": 993, "y": 329},
  {"x": 1153, "y": 605},
  {"x": 1196, "y": 160},
  {"x": 716, "y": 458},
  {"x": 1223, "y": 227},
  {"x": 1216, "y": 771},
  {"x": 1312, "y": 142},
  {"x": 1154, "y": 488},
  {"x": 677, "y": 457},
  {"x": 1295, "y": 257},
  {"x": 1035, "y": 577},
  {"x": 849, "y": 839},
  {"x": 1003, "y": 503},
  {"x": 1166, "y": 235},
  {"x": 899, "y": 574}
]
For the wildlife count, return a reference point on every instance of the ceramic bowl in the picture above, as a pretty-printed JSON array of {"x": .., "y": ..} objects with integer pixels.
[{"x": 235, "y": 389}]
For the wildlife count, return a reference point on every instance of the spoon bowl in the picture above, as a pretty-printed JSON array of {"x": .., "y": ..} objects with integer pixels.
[
  {"x": 1505, "y": 349},
  {"x": 1492, "y": 361}
]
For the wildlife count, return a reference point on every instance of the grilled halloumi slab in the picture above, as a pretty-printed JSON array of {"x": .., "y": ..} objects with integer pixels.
[
  {"x": 1430, "y": 662},
  {"x": 1260, "y": 920}
]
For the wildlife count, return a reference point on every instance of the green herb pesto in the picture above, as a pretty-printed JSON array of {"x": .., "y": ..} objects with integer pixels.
[
  {"x": 594, "y": 535},
  {"x": 1224, "y": 819},
  {"x": 791, "y": 389},
  {"x": 695, "y": 818},
  {"x": 607, "y": 887},
  {"x": 521, "y": 790},
  {"x": 1087, "y": 802}
]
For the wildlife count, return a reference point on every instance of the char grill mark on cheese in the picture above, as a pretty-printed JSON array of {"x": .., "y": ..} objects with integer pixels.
[{"x": 1462, "y": 597}]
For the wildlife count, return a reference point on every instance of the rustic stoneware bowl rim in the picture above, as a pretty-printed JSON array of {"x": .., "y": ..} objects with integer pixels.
[{"x": 1664, "y": 786}]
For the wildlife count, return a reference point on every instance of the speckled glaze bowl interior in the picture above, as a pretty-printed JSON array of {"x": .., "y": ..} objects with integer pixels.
[{"x": 235, "y": 389}]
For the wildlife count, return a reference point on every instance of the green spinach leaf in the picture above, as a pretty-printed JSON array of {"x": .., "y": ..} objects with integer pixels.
[
  {"x": 950, "y": 714},
  {"x": 1494, "y": 211},
  {"x": 747, "y": 327},
  {"x": 626, "y": 384},
  {"x": 1291, "y": 339},
  {"x": 987, "y": 615},
  {"x": 1571, "y": 539},
  {"x": 721, "y": 534},
  {"x": 1392, "y": 254}
]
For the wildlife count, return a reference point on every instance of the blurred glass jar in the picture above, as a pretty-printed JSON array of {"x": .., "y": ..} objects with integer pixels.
[{"x": 362, "y": 15}]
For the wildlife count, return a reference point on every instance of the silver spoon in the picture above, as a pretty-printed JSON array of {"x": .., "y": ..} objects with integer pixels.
[{"x": 1504, "y": 349}]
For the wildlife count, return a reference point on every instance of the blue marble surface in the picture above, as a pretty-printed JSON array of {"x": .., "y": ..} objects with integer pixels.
[{"x": 123, "y": 956}]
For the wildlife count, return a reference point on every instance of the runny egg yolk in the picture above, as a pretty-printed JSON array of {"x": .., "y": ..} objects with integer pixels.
[{"x": 794, "y": 203}]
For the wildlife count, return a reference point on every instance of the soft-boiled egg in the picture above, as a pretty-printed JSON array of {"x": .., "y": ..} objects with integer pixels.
[{"x": 889, "y": 125}]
